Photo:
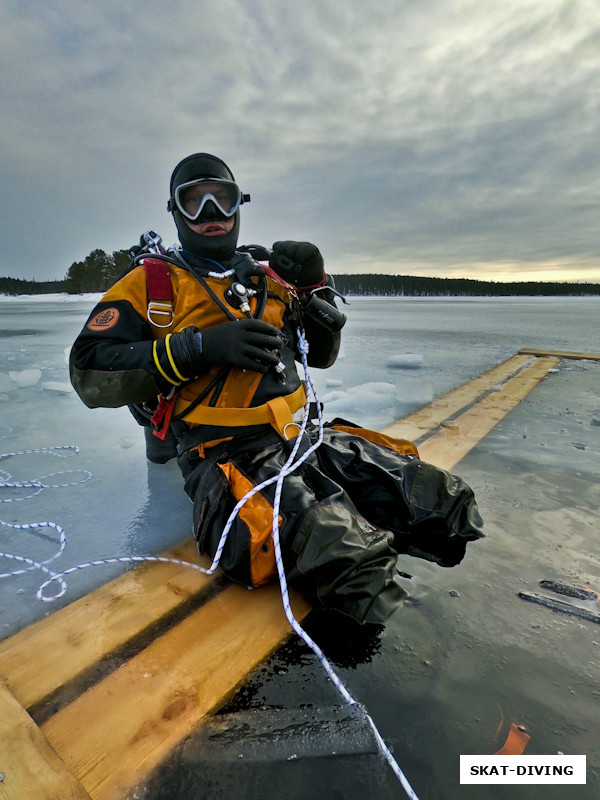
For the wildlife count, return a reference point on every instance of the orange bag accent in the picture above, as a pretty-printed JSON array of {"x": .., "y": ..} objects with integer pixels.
[
  {"x": 257, "y": 513},
  {"x": 515, "y": 743},
  {"x": 402, "y": 446},
  {"x": 202, "y": 448}
]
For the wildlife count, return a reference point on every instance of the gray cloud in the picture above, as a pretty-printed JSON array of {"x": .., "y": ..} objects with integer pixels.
[{"x": 430, "y": 137}]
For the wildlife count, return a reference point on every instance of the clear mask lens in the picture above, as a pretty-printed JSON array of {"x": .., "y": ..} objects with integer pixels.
[{"x": 191, "y": 198}]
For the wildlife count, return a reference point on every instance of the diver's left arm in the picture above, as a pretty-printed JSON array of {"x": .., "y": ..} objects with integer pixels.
[{"x": 301, "y": 265}]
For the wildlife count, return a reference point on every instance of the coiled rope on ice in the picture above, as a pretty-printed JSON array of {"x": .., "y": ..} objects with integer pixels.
[
  {"x": 38, "y": 485},
  {"x": 290, "y": 466}
]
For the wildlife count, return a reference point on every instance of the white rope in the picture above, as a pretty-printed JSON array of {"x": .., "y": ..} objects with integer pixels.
[
  {"x": 59, "y": 576},
  {"x": 290, "y": 466},
  {"x": 39, "y": 485}
]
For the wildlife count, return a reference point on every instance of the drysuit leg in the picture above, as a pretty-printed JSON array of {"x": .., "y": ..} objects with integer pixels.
[
  {"x": 432, "y": 513},
  {"x": 331, "y": 553}
]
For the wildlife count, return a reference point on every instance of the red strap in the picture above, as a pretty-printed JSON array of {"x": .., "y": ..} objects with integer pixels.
[
  {"x": 158, "y": 279},
  {"x": 274, "y": 276},
  {"x": 319, "y": 285},
  {"x": 161, "y": 419}
]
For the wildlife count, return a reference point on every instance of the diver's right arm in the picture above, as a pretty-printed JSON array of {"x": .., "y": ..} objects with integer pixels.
[
  {"x": 111, "y": 362},
  {"x": 115, "y": 361}
]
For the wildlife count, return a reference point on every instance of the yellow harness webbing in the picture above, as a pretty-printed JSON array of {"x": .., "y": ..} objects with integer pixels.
[{"x": 277, "y": 412}]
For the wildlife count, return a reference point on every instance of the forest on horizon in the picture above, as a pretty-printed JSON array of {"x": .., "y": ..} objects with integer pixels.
[{"x": 99, "y": 271}]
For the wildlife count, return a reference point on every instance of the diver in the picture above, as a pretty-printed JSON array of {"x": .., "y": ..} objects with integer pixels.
[{"x": 202, "y": 342}]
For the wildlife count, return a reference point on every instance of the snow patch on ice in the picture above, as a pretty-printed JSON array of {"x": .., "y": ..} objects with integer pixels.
[
  {"x": 405, "y": 361},
  {"x": 57, "y": 388},
  {"x": 59, "y": 297},
  {"x": 369, "y": 404},
  {"x": 377, "y": 404},
  {"x": 26, "y": 377}
]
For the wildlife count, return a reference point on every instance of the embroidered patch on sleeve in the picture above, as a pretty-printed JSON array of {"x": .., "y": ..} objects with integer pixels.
[{"x": 104, "y": 320}]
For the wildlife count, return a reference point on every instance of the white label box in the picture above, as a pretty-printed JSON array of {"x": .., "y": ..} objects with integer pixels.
[{"x": 530, "y": 769}]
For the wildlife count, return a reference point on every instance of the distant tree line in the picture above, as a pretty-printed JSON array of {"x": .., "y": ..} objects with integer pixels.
[
  {"x": 96, "y": 273},
  {"x": 20, "y": 286},
  {"x": 411, "y": 285},
  {"x": 99, "y": 271}
]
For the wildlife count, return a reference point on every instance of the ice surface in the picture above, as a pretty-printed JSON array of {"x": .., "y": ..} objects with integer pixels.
[
  {"x": 7, "y": 384},
  {"x": 465, "y": 643},
  {"x": 457, "y": 339}
]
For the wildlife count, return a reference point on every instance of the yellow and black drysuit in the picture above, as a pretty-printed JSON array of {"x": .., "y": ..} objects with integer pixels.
[{"x": 355, "y": 503}]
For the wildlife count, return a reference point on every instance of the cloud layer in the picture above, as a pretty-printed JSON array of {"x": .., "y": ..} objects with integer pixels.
[{"x": 417, "y": 136}]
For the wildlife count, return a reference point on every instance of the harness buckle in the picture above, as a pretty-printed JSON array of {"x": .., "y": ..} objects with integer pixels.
[
  {"x": 285, "y": 427},
  {"x": 162, "y": 309}
]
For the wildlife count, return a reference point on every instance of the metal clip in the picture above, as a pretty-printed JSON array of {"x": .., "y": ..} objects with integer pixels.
[{"x": 164, "y": 309}]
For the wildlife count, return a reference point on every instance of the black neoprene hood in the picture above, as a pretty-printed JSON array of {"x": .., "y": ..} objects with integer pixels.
[
  {"x": 199, "y": 165},
  {"x": 203, "y": 165}
]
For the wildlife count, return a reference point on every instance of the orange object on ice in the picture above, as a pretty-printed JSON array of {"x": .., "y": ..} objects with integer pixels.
[{"x": 515, "y": 743}]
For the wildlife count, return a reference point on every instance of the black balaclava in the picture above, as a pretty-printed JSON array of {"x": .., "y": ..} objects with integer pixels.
[{"x": 203, "y": 165}]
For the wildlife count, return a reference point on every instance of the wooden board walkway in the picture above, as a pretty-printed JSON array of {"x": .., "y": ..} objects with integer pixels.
[
  {"x": 459, "y": 433},
  {"x": 561, "y": 354},
  {"x": 96, "y": 695}
]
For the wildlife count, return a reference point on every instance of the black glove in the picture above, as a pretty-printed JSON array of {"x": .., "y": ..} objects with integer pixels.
[
  {"x": 247, "y": 344},
  {"x": 299, "y": 263},
  {"x": 257, "y": 251},
  {"x": 244, "y": 266}
]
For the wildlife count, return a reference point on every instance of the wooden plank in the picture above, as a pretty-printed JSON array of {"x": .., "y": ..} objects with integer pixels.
[
  {"x": 31, "y": 769},
  {"x": 77, "y": 637},
  {"x": 447, "y": 447},
  {"x": 415, "y": 426},
  {"x": 561, "y": 354},
  {"x": 121, "y": 728}
]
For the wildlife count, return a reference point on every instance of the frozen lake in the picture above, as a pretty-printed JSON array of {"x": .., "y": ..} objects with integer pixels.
[{"x": 465, "y": 650}]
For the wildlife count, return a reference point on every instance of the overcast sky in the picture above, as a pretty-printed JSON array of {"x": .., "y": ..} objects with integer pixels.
[{"x": 425, "y": 137}]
